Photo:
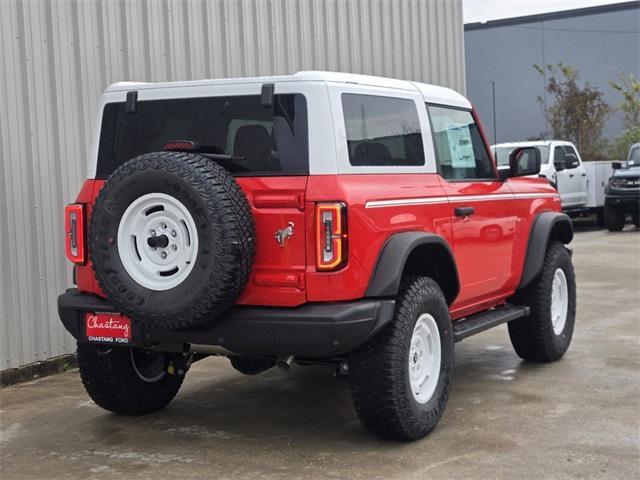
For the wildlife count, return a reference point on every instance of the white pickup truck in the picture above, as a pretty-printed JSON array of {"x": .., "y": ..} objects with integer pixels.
[{"x": 581, "y": 185}]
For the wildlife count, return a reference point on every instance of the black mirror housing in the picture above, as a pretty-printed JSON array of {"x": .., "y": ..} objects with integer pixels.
[
  {"x": 616, "y": 165},
  {"x": 571, "y": 161},
  {"x": 524, "y": 161}
]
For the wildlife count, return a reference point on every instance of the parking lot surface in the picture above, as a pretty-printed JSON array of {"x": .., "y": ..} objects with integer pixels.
[{"x": 576, "y": 418}]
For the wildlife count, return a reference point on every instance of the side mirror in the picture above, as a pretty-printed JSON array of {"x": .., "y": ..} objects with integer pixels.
[
  {"x": 616, "y": 165},
  {"x": 524, "y": 161},
  {"x": 571, "y": 161}
]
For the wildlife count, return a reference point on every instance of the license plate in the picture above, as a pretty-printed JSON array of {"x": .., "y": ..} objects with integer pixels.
[{"x": 107, "y": 327}]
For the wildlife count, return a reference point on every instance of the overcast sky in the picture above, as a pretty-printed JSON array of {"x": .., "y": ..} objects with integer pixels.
[{"x": 481, "y": 10}]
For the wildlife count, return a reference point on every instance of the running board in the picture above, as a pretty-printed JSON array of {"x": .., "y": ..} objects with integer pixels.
[{"x": 485, "y": 320}]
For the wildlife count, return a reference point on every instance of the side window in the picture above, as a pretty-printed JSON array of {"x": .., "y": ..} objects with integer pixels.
[
  {"x": 460, "y": 151},
  {"x": 570, "y": 154},
  {"x": 382, "y": 131},
  {"x": 558, "y": 155}
]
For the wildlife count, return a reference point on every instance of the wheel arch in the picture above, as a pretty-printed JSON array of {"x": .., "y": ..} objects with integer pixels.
[
  {"x": 418, "y": 253},
  {"x": 547, "y": 227}
]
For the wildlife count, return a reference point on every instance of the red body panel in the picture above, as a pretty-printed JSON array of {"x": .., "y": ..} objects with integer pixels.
[
  {"x": 369, "y": 228},
  {"x": 489, "y": 247}
]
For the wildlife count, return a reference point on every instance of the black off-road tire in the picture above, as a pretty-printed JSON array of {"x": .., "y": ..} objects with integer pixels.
[
  {"x": 533, "y": 337},
  {"x": 614, "y": 218},
  {"x": 600, "y": 217},
  {"x": 379, "y": 370},
  {"x": 112, "y": 382},
  {"x": 226, "y": 239}
]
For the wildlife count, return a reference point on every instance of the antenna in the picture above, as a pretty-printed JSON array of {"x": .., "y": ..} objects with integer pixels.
[{"x": 493, "y": 94}]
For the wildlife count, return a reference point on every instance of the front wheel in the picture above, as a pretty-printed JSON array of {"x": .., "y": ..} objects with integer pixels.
[
  {"x": 400, "y": 379},
  {"x": 613, "y": 218},
  {"x": 128, "y": 380},
  {"x": 545, "y": 335}
]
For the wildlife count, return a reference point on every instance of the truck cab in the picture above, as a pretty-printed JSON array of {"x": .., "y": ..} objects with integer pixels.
[{"x": 560, "y": 163}]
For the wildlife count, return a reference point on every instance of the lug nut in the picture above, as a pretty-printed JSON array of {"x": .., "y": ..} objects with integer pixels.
[
  {"x": 174, "y": 234},
  {"x": 164, "y": 226},
  {"x": 152, "y": 233},
  {"x": 174, "y": 247},
  {"x": 163, "y": 254}
]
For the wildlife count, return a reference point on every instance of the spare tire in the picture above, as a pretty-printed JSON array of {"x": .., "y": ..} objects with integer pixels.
[{"x": 172, "y": 239}]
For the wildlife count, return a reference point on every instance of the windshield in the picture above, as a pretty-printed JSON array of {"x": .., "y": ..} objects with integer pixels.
[
  {"x": 261, "y": 140},
  {"x": 502, "y": 154},
  {"x": 634, "y": 157}
]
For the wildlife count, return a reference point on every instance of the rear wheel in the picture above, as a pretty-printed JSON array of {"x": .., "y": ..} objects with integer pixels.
[
  {"x": 545, "y": 335},
  {"x": 127, "y": 380},
  {"x": 400, "y": 379},
  {"x": 613, "y": 218}
]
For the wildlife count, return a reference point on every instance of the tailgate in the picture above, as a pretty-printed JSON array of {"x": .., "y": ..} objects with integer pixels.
[{"x": 278, "y": 275}]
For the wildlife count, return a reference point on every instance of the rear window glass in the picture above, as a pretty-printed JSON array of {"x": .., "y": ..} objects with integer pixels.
[
  {"x": 269, "y": 141},
  {"x": 382, "y": 131}
]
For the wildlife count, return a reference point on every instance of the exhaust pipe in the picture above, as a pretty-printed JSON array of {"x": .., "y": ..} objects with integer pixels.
[{"x": 284, "y": 363}]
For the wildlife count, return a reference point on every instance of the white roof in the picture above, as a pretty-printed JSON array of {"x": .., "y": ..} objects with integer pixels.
[{"x": 433, "y": 93}]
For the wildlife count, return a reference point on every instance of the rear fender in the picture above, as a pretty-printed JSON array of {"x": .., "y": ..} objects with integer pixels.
[{"x": 418, "y": 253}]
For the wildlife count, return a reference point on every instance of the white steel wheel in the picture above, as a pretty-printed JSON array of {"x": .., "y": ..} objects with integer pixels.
[
  {"x": 559, "y": 301},
  {"x": 425, "y": 356},
  {"x": 157, "y": 241}
]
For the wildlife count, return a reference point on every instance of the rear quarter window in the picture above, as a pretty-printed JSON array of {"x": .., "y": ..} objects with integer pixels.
[
  {"x": 270, "y": 141},
  {"x": 382, "y": 131}
]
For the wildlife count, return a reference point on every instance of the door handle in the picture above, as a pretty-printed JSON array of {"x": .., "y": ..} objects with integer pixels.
[
  {"x": 571, "y": 175},
  {"x": 584, "y": 174},
  {"x": 464, "y": 211}
]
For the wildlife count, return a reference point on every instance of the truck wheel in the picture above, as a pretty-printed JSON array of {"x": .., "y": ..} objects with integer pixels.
[
  {"x": 172, "y": 240},
  {"x": 127, "y": 380},
  {"x": 545, "y": 335},
  {"x": 613, "y": 218},
  {"x": 600, "y": 217},
  {"x": 400, "y": 379}
]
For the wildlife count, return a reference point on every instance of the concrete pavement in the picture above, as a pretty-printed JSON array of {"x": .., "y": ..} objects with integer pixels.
[{"x": 576, "y": 418}]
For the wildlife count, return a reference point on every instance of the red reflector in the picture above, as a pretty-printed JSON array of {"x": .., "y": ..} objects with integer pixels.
[
  {"x": 279, "y": 279},
  {"x": 107, "y": 327},
  {"x": 74, "y": 227},
  {"x": 176, "y": 145}
]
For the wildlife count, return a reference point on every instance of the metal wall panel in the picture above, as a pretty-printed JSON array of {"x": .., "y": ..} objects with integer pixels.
[{"x": 56, "y": 57}]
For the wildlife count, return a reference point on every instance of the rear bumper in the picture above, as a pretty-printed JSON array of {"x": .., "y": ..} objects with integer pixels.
[{"x": 314, "y": 330}]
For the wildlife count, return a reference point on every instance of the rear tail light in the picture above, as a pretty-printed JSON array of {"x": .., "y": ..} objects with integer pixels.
[
  {"x": 74, "y": 227},
  {"x": 331, "y": 236}
]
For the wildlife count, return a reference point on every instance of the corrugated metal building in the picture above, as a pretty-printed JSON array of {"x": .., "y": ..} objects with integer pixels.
[{"x": 58, "y": 56}]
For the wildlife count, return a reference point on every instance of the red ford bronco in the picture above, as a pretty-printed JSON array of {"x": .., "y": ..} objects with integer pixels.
[{"x": 325, "y": 218}]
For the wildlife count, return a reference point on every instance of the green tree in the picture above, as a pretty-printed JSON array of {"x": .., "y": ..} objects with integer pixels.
[
  {"x": 629, "y": 88},
  {"x": 577, "y": 113}
]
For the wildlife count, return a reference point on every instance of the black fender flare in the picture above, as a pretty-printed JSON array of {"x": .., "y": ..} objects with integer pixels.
[
  {"x": 387, "y": 275},
  {"x": 544, "y": 226}
]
